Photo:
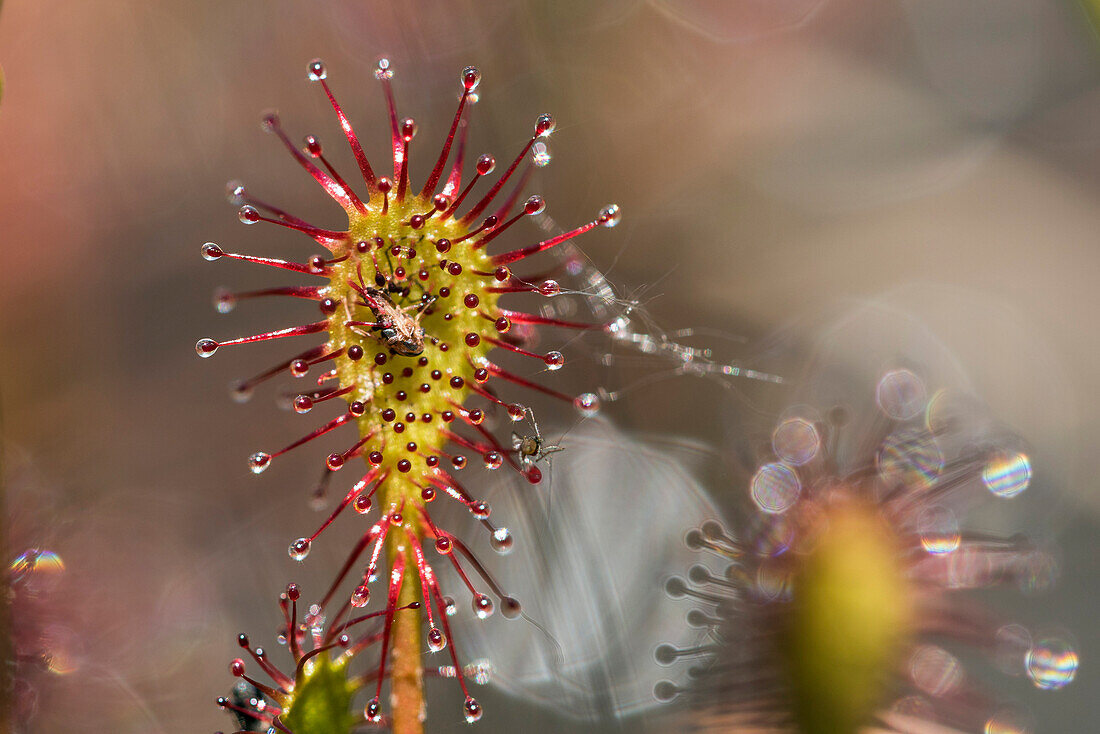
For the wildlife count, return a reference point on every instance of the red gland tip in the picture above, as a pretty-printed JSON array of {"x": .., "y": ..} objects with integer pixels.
[
  {"x": 212, "y": 252},
  {"x": 485, "y": 164},
  {"x": 471, "y": 77},
  {"x": 471, "y": 710},
  {"x": 544, "y": 125},
  {"x": 535, "y": 205},
  {"x": 610, "y": 215},
  {"x": 316, "y": 70},
  {"x": 299, "y": 549}
]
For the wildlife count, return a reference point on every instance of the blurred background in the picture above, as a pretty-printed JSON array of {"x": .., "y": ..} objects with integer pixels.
[{"x": 780, "y": 164}]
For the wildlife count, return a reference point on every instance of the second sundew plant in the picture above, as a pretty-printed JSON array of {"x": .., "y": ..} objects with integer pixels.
[{"x": 409, "y": 317}]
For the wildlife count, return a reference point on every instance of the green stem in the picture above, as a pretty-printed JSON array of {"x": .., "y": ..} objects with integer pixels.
[{"x": 406, "y": 676}]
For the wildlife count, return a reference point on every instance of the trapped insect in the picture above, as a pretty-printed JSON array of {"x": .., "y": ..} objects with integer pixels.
[
  {"x": 532, "y": 449},
  {"x": 399, "y": 331}
]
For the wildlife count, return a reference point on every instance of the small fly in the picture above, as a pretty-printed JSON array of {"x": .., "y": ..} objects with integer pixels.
[
  {"x": 394, "y": 327},
  {"x": 532, "y": 449}
]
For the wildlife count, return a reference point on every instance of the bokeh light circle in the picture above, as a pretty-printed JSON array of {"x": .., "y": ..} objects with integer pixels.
[
  {"x": 775, "y": 487},
  {"x": 1007, "y": 475},
  {"x": 901, "y": 395},
  {"x": 796, "y": 441},
  {"x": 1052, "y": 663}
]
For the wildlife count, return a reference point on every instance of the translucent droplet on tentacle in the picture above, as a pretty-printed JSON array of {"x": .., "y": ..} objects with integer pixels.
[
  {"x": 470, "y": 78},
  {"x": 483, "y": 606},
  {"x": 206, "y": 347},
  {"x": 587, "y": 404},
  {"x": 544, "y": 125},
  {"x": 317, "y": 71},
  {"x": 360, "y": 597},
  {"x": 259, "y": 462},
  {"x": 299, "y": 549},
  {"x": 436, "y": 640},
  {"x": 471, "y": 710},
  {"x": 248, "y": 214},
  {"x": 211, "y": 252},
  {"x": 501, "y": 540},
  {"x": 610, "y": 215}
]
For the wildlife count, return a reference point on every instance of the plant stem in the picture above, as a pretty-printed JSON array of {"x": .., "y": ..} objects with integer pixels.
[{"x": 406, "y": 678}]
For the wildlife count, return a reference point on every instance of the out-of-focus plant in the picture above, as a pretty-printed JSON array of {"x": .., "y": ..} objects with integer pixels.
[
  {"x": 842, "y": 604},
  {"x": 408, "y": 296}
]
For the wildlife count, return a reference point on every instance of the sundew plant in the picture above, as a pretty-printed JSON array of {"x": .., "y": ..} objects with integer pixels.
[
  {"x": 846, "y": 599},
  {"x": 409, "y": 318}
]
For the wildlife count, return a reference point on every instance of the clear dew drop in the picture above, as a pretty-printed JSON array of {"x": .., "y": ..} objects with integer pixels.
[
  {"x": 1052, "y": 664},
  {"x": 483, "y": 606},
  {"x": 316, "y": 71},
  {"x": 436, "y": 640},
  {"x": 259, "y": 461},
  {"x": 206, "y": 347},
  {"x": 471, "y": 710},
  {"x": 1007, "y": 475},
  {"x": 549, "y": 288},
  {"x": 587, "y": 404},
  {"x": 303, "y": 404},
  {"x": 493, "y": 460},
  {"x": 248, "y": 214},
  {"x": 360, "y": 597},
  {"x": 554, "y": 361},
  {"x": 211, "y": 252},
  {"x": 544, "y": 125},
  {"x": 610, "y": 215},
  {"x": 501, "y": 541},
  {"x": 470, "y": 78},
  {"x": 449, "y": 606},
  {"x": 372, "y": 712},
  {"x": 540, "y": 154},
  {"x": 299, "y": 549}
]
